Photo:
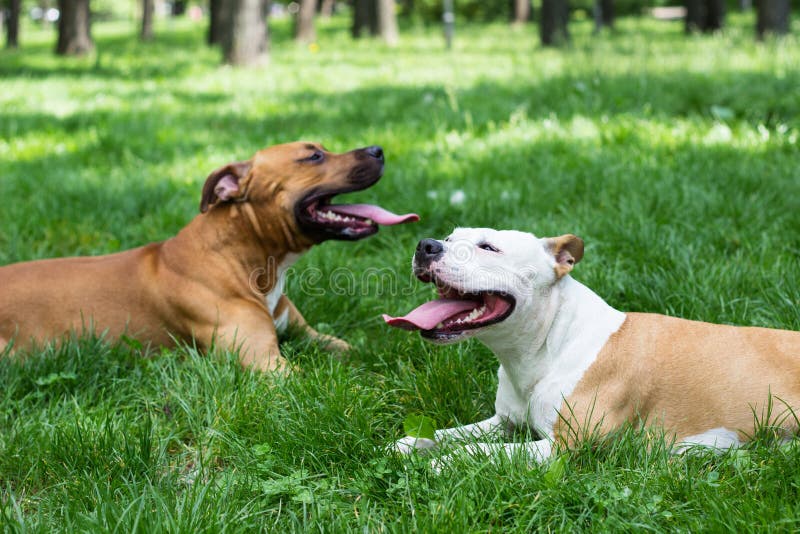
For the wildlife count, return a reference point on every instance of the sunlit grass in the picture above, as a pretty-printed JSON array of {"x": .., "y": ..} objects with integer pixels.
[{"x": 675, "y": 158}]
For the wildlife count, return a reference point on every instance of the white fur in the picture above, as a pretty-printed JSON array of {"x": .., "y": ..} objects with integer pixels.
[
  {"x": 275, "y": 294},
  {"x": 556, "y": 331},
  {"x": 718, "y": 439}
]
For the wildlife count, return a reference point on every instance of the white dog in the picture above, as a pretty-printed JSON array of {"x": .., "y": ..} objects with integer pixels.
[{"x": 570, "y": 364}]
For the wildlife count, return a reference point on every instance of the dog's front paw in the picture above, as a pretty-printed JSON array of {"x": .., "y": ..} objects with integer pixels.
[
  {"x": 334, "y": 344},
  {"x": 410, "y": 444}
]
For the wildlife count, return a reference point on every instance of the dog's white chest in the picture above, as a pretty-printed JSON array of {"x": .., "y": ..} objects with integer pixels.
[
  {"x": 534, "y": 383},
  {"x": 271, "y": 299}
]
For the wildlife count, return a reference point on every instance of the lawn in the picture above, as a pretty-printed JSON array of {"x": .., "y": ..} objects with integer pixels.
[{"x": 676, "y": 159}]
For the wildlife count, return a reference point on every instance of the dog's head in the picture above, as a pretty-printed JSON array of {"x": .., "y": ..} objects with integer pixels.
[
  {"x": 297, "y": 181},
  {"x": 487, "y": 281}
]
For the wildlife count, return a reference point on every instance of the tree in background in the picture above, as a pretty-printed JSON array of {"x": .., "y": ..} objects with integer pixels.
[
  {"x": 12, "y": 24},
  {"x": 376, "y": 16},
  {"x": 603, "y": 14},
  {"x": 217, "y": 11},
  {"x": 522, "y": 12},
  {"x": 146, "y": 32},
  {"x": 365, "y": 18},
  {"x": 553, "y": 29},
  {"x": 326, "y": 8},
  {"x": 772, "y": 16},
  {"x": 178, "y": 8},
  {"x": 704, "y": 15},
  {"x": 304, "y": 22},
  {"x": 244, "y": 40},
  {"x": 74, "y": 34},
  {"x": 387, "y": 22}
]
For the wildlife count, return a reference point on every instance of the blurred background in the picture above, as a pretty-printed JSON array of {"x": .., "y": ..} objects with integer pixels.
[{"x": 238, "y": 26}]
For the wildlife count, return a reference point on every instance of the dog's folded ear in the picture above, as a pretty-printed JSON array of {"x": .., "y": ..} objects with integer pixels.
[
  {"x": 567, "y": 250},
  {"x": 224, "y": 184}
]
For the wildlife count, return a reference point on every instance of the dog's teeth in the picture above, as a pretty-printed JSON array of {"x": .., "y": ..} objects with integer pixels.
[
  {"x": 440, "y": 325},
  {"x": 333, "y": 216},
  {"x": 475, "y": 314},
  {"x": 368, "y": 221}
]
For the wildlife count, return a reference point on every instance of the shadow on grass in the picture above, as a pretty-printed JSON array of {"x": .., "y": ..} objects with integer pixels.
[
  {"x": 184, "y": 48},
  {"x": 757, "y": 98},
  {"x": 534, "y": 171}
]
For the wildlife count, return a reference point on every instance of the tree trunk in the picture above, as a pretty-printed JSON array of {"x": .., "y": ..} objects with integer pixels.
[
  {"x": 304, "y": 22},
  {"x": 521, "y": 12},
  {"x": 245, "y": 39},
  {"x": 603, "y": 14},
  {"x": 449, "y": 21},
  {"x": 365, "y": 16},
  {"x": 326, "y": 9},
  {"x": 74, "y": 36},
  {"x": 553, "y": 24},
  {"x": 218, "y": 11},
  {"x": 12, "y": 24},
  {"x": 387, "y": 22},
  {"x": 178, "y": 8},
  {"x": 704, "y": 15},
  {"x": 147, "y": 20},
  {"x": 772, "y": 17}
]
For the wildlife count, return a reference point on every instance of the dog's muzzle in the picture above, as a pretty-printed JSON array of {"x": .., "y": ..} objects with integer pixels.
[{"x": 428, "y": 251}]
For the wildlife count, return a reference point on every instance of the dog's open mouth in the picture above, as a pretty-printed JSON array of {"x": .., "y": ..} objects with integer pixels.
[
  {"x": 346, "y": 221},
  {"x": 455, "y": 312}
]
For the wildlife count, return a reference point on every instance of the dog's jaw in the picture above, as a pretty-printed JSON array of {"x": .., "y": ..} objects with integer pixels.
[
  {"x": 321, "y": 220},
  {"x": 458, "y": 313}
]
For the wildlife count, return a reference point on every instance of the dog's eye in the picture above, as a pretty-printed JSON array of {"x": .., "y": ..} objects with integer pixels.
[
  {"x": 316, "y": 156},
  {"x": 487, "y": 246}
]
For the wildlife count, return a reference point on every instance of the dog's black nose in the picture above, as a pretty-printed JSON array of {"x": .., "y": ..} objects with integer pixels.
[
  {"x": 375, "y": 151},
  {"x": 428, "y": 250}
]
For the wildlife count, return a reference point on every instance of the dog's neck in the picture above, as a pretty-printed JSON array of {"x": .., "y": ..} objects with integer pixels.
[
  {"x": 562, "y": 332},
  {"x": 243, "y": 242}
]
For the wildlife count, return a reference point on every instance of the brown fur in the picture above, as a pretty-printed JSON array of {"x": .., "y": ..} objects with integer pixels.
[
  {"x": 196, "y": 285},
  {"x": 688, "y": 377}
]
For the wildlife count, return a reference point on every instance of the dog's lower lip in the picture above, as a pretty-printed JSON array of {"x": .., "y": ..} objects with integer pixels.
[
  {"x": 441, "y": 334},
  {"x": 326, "y": 224},
  {"x": 321, "y": 219},
  {"x": 488, "y": 299},
  {"x": 423, "y": 276},
  {"x": 331, "y": 218}
]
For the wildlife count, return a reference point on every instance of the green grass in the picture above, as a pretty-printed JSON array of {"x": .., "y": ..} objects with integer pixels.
[{"x": 675, "y": 158}]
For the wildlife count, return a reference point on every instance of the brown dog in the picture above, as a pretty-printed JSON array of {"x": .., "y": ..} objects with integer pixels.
[{"x": 220, "y": 280}]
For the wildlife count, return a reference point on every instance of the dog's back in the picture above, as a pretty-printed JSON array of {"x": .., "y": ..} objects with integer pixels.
[
  {"x": 45, "y": 299},
  {"x": 692, "y": 376}
]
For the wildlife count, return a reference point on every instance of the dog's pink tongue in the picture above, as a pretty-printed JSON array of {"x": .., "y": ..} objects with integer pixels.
[
  {"x": 376, "y": 213},
  {"x": 427, "y": 316}
]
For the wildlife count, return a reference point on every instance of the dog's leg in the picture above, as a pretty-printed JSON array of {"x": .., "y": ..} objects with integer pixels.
[
  {"x": 295, "y": 317},
  {"x": 538, "y": 451},
  {"x": 716, "y": 440},
  {"x": 493, "y": 425},
  {"x": 251, "y": 332}
]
